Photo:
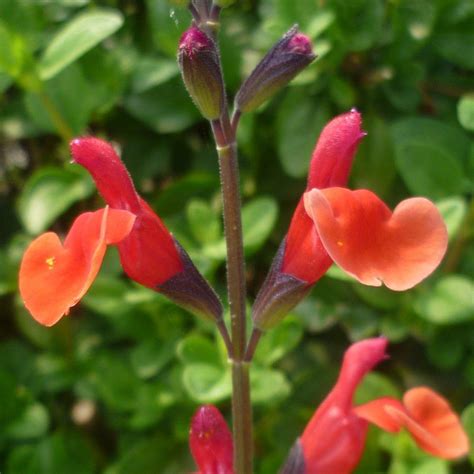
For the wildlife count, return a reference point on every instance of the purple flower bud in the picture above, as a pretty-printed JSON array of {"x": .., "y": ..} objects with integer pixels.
[
  {"x": 281, "y": 64},
  {"x": 200, "y": 67}
]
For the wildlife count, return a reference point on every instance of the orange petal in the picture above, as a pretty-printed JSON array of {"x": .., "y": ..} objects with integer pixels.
[
  {"x": 433, "y": 424},
  {"x": 375, "y": 412},
  {"x": 54, "y": 277},
  {"x": 426, "y": 415},
  {"x": 368, "y": 241}
]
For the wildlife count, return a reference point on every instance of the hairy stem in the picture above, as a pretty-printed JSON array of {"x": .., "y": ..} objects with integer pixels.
[{"x": 241, "y": 404}]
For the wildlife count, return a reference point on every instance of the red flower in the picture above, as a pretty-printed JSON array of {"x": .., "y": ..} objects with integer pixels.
[
  {"x": 54, "y": 277},
  {"x": 305, "y": 256},
  {"x": 149, "y": 255},
  {"x": 302, "y": 258},
  {"x": 333, "y": 440},
  {"x": 354, "y": 229},
  {"x": 210, "y": 441}
]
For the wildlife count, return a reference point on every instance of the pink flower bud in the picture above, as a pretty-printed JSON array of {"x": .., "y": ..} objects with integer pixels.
[
  {"x": 200, "y": 68},
  {"x": 210, "y": 441}
]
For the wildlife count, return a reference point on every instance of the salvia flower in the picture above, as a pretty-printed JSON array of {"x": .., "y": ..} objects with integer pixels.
[
  {"x": 55, "y": 276},
  {"x": 283, "y": 62},
  {"x": 354, "y": 229},
  {"x": 200, "y": 67},
  {"x": 334, "y": 439},
  {"x": 302, "y": 258},
  {"x": 210, "y": 441},
  {"x": 149, "y": 254}
]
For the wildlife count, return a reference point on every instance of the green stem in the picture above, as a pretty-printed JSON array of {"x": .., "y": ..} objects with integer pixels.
[
  {"x": 58, "y": 120},
  {"x": 241, "y": 404},
  {"x": 242, "y": 418}
]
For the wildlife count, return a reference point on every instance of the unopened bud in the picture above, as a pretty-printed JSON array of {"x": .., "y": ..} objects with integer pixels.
[
  {"x": 200, "y": 67},
  {"x": 281, "y": 64},
  {"x": 210, "y": 441}
]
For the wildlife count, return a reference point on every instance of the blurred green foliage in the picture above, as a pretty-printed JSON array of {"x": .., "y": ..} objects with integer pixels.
[{"x": 112, "y": 387}]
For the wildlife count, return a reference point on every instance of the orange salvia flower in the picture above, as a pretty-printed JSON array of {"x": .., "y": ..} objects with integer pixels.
[
  {"x": 54, "y": 277},
  {"x": 428, "y": 417},
  {"x": 302, "y": 259},
  {"x": 372, "y": 243},
  {"x": 334, "y": 438}
]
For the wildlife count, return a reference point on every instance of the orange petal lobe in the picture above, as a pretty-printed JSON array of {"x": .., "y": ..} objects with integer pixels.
[
  {"x": 368, "y": 241},
  {"x": 434, "y": 425},
  {"x": 54, "y": 277},
  {"x": 375, "y": 412},
  {"x": 426, "y": 415}
]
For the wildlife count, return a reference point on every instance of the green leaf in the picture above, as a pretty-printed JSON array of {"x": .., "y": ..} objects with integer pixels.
[
  {"x": 361, "y": 21},
  {"x": 48, "y": 193},
  {"x": 142, "y": 457},
  {"x": 466, "y": 112},
  {"x": 151, "y": 72},
  {"x": 457, "y": 46},
  {"x": 360, "y": 322},
  {"x": 278, "y": 342},
  {"x": 5, "y": 82},
  {"x": 374, "y": 167},
  {"x": 207, "y": 383},
  {"x": 165, "y": 109},
  {"x": 68, "y": 96},
  {"x": 173, "y": 199},
  {"x": 167, "y": 24},
  {"x": 450, "y": 301},
  {"x": 115, "y": 382},
  {"x": 13, "y": 400},
  {"x": 299, "y": 123},
  {"x": 467, "y": 419},
  {"x": 12, "y": 52},
  {"x": 78, "y": 36},
  {"x": 258, "y": 219},
  {"x": 453, "y": 211},
  {"x": 33, "y": 423},
  {"x": 443, "y": 353},
  {"x": 151, "y": 356},
  {"x": 378, "y": 297},
  {"x": 268, "y": 386},
  {"x": 374, "y": 386},
  {"x": 198, "y": 349},
  {"x": 52, "y": 454},
  {"x": 203, "y": 221},
  {"x": 431, "y": 157}
]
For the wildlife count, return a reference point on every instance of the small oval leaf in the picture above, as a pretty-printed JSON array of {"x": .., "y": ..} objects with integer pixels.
[
  {"x": 48, "y": 193},
  {"x": 78, "y": 36}
]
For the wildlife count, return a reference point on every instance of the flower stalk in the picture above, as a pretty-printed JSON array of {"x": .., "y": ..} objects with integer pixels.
[{"x": 241, "y": 404}]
